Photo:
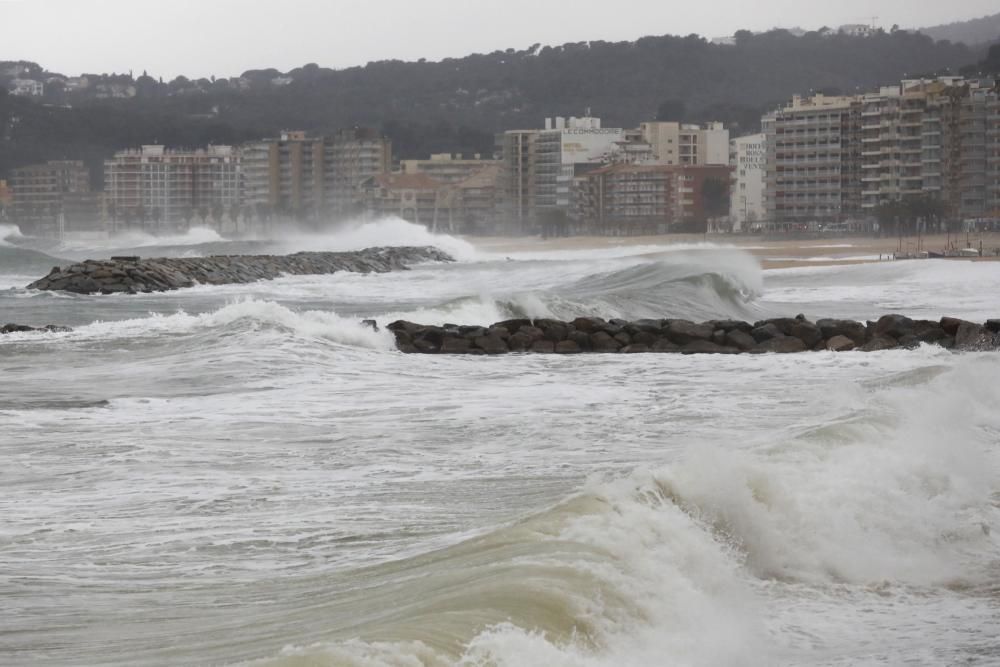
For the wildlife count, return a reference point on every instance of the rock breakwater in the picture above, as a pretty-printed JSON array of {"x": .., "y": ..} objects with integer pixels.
[
  {"x": 23, "y": 328},
  {"x": 132, "y": 275},
  {"x": 779, "y": 335}
]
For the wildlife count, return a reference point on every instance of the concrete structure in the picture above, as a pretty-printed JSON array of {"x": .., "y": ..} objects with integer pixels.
[
  {"x": 446, "y": 167},
  {"x": 687, "y": 144},
  {"x": 288, "y": 176},
  {"x": 155, "y": 187},
  {"x": 355, "y": 155},
  {"x": 650, "y": 199},
  {"x": 813, "y": 162},
  {"x": 748, "y": 157},
  {"x": 39, "y": 192},
  {"x": 417, "y": 198},
  {"x": 467, "y": 206},
  {"x": 517, "y": 184},
  {"x": 560, "y": 149},
  {"x": 932, "y": 138},
  {"x": 27, "y": 88}
]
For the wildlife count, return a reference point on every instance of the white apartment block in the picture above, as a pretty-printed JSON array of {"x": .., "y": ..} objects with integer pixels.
[
  {"x": 156, "y": 186},
  {"x": 560, "y": 148},
  {"x": 748, "y": 157},
  {"x": 687, "y": 144}
]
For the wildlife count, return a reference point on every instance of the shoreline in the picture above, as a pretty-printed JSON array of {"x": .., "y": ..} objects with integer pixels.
[{"x": 770, "y": 252}]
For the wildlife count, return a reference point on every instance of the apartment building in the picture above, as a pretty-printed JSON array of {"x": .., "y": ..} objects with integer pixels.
[
  {"x": 686, "y": 143},
  {"x": 446, "y": 167},
  {"x": 560, "y": 150},
  {"x": 289, "y": 176},
  {"x": 38, "y": 194},
  {"x": 417, "y": 198},
  {"x": 517, "y": 184},
  {"x": 813, "y": 161},
  {"x": 355, "y": 155},
  {"x": 748, "y": 157},
  {"x": 154, "y": 187},
  {"x": 626, "y": 199},
  {"x": 313, "y": 178}
]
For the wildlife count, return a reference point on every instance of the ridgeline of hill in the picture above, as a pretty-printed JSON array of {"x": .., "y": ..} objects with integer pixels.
[
  {"x": 985, "y": 30},
  {"x": 458, "y": 104}
]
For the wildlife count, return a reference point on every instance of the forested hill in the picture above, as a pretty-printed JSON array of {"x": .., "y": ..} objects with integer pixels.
[
  {"x": 458, "y": 104},
  {"x": 977, "y": 31}
]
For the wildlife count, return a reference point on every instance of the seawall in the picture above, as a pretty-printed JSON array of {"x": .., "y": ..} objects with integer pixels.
[
  {"x": 132, "y": 275},
  {"x": 780, "y": 335}
]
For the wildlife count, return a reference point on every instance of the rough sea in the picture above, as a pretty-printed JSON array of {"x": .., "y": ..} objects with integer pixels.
[{"x": 246, "y": 475}]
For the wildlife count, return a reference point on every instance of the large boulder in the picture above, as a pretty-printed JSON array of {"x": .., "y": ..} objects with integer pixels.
[
  {"x": 781, "y": 345},
  {"x": 856, "y": 331},
  {"x": 589, "y": 325},
  {"x": 603, "y": 342},
  {"x": 879, "y": 343},
  {"x": 971, "y": 336},
  {"x": 567, "y": 347},
  {"x": 895, "y": 326},
  {"x": 706, "y": 347},
  {"x": 807, "y": 332},
  {"x": 682, "y": 332},
  {"x": 456, "y": 345},
  {"x": 766, "y": 332},
  {"x": 993, "y": 326},
  {"x": 840, "y": 344},
  {"x": 740, "y": 339},
  {"x": 492, "y": 344}
]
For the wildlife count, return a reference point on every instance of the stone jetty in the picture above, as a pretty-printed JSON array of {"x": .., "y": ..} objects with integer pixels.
[
  {"x": 780, "y": 335},
  {"x": 133, "y": 275},
  {"x": 23, "y": 328}
]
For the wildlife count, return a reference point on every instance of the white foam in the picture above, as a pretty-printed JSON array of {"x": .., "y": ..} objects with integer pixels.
[{"x": 9, "y": 232}]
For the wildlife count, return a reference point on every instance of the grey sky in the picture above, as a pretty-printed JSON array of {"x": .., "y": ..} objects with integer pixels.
[{"x": 226, "y": 37}]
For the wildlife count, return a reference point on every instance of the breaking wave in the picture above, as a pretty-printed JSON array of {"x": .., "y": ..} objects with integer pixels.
[{"x": 680, "y": 564}]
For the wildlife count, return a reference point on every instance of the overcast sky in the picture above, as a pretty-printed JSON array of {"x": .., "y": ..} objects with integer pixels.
[{"x": 227, "y": 37}]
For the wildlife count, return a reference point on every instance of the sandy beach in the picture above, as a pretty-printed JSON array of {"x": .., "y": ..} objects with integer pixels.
[{"x": 773, "y": 253}]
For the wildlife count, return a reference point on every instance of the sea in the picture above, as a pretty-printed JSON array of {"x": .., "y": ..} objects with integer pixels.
[{"x": 247, "y": 475}]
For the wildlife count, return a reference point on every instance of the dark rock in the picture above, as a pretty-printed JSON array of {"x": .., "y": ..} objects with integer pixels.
[
  {"x": 532, "y": 332},
  {"x": 371, "y": 324},
  {"x": 719, "y": 337},
  {"x": 520, "y": 342},
  {"x": 896, "y": 326},
  {"x": 781, "y": 345},
  {"x": 602, "y": 342},
  {"x": 840, "y": 343},
  {"x": 22, "y": 328},
  {"x": 568, "y": 347},
  {"x": 635, "y": 349},
  {"x": 950, "y": 325},
  {"x": 926, "y": 331},
  {"x": 495, "y": 330},
  {"x": 782, "y": 324},
  {"x": 766, "y": 332},
  {"x": 647, "y": 326},
  {"x": 456, "y": 346},
  {"x": 993, "y": 325},
  {"x": 543, "y": 347},
  {"x": 492, "y": 344},
  {"x": 707, "y": 347},
  {"x": 645, "y": 338},
  {"x": 513, "y": 325},
  {"x": 731, "y": 325},
  {"x": 879, "y": 343},
  {"x": 971, "y": 336},
  {"x": 555, "y": 331},
  {"x": 740, "y": 339},
  {"x": 807, "y": 332},
  {"x": 664, "y": 346},
  {"x": 623, "y": 338},
  {"x": 581, "y": 339},
  {"x": 589, "y": 325},
  {"x": 683, "y": 332}
]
